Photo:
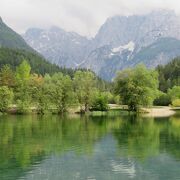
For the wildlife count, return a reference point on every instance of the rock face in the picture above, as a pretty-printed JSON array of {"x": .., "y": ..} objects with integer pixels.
[
  {"x": 60, "y": 47},
  {"x": 121, "y": 42},
  {"x": 142, "y": 30}
]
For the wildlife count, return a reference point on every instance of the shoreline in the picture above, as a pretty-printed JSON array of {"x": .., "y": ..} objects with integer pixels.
[
  {"x": 158, "y": 111},
  {"x": 155, "y": 111}
]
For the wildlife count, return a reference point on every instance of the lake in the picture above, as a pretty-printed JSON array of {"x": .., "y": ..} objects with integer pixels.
[{"x": 110, "y": 147}]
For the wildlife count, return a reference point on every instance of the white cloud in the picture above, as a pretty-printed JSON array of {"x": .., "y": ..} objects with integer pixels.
[{"x": 82, "y": 16}]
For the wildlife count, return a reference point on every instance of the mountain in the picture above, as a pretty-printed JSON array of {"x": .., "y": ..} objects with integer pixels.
[
  {"x": 140, "y": 29},
  {"x": 121, "y": 42},
  {"x": 14, "y": 49},
  {"x": 14, "y": 57},
  {"x": 161, "y": 51},
  {"x": 60, "y": 47},
  {"x": 10, "y": 39}
]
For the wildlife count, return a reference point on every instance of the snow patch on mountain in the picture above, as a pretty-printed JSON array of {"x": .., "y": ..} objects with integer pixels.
[
  {"x": 130, "y": 47},
  {"x": 121, "y": 42}
]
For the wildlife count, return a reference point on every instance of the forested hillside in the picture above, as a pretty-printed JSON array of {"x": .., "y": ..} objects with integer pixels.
[
  {"x": 39, "y": 65},
  {"x": 10, "y": 39},
  {"x": 53, "y": 93},
  {"x": 13, "y": 50}
]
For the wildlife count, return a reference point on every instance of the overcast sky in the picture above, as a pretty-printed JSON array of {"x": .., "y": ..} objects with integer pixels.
[{"x": 82, "y": 16}]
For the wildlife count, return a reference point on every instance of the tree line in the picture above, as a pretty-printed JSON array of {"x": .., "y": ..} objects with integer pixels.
[
  {"x": 23, "y": 91},
  {"x": 39, "y": 65},
  {"x": 169, "y": 75},
  {"x": 141, "y": 87}
]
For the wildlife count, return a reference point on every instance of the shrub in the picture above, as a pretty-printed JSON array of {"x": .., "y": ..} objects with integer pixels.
[
  {"x": 6, "y": 96},
  {"x": 100, "y": 103},
  {"x": 174, "y": 93},
  {"x": 163, "y": 100},
  {"x": 112, "y": 99},
  {"x": 176, "y": 103},
  {"x": 23, "y": 107}
]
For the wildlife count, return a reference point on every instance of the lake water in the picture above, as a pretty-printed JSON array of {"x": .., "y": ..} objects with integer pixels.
[{"x": 110, "y": 147}]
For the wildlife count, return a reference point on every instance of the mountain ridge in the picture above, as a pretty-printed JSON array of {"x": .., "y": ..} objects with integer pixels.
[
  {"x": 14, "y": 49},
  {"x": 11, "y": 39},
  {"x": 110, "y": 46}
]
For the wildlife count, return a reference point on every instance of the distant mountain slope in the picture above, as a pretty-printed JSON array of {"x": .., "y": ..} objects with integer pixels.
[
  {"x": 39, "y": 65},
  {"x": 143, "y": 30},
  {"x": 10, "y": 39},
  {"x": 161, "y": 52},
  {"x": 121, "y": 42},
  {"x": 14, "y": 49},
  {"x": 60, "y": 47}
]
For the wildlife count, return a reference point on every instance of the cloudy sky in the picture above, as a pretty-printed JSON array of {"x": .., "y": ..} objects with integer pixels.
[{"x": 82, "y": 16}]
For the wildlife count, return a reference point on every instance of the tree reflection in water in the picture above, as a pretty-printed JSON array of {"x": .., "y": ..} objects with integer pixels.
[{"x": 27, "y": 140}]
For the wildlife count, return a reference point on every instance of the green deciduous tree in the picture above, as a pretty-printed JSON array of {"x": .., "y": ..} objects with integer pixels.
[
  {"x": 100, "y": 101},
  {"x": 38, "y": 93},
  {"x": 60, "y": 91},
  {"x": 23, "y": 72},
  {"x": 137, "y": 87},
  {"x": 84, "y": 83},
  {"x": 7, "y": 76},
  {"x": 23, "y": 95},
  {"x": 162, "y": 100},
  {"x": 176, "y": 103},
  {"x": 6, "y": 97},
  {"x": 174, "y": 93}
]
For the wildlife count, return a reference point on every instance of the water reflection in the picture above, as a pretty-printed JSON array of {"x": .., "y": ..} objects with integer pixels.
[{"x": 97, "y": 147}]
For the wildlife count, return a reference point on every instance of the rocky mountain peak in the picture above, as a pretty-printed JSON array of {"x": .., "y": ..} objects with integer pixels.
[{"x": 122, "y": 41}]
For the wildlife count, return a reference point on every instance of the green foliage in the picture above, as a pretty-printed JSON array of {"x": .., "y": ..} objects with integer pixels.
[
  {"x": 84, "y": 83},
  {"x": 14, "y": 57},
  {"x": 7, "y": 76},
  {"x": 39, "y": 93},
  {"x": 23, "y": 106},
  {"x": 22, "y": 90},
  {"x": 22, "y": 99},
  {"x": 61, "y": 91},
  {"x": 100, "y": 102},
  {"x": 23, "y": 72},
  {"x": 174, "y": 93},
  {"x": 137, "y": 87},
  {"x": 169, "y": 75},
  {"x": 51, "y": 93},
  {"x": 42, "y": 101},
  {"x": 56, "y": 93},
  {"x": 176, "y": 103},
  {"x": 6, "y": 97},
  {"x": 163, "y": 100},
  {"x": 111, "y": 98}
]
